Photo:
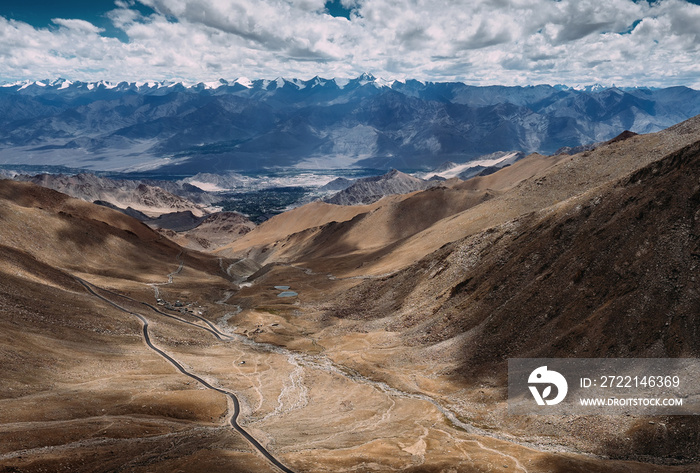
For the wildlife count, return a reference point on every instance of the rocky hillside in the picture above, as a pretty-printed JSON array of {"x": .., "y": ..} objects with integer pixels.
[
  {"x": 354, "y": 238},
  {"x": 150, "y": 199},
  {"x": 607, "y": 273},
  {"x": 73, "y": 365},
  {"x": 370, "y": 189}
]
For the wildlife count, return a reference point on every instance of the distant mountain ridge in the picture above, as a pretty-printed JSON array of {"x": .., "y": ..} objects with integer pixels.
[
  {"x": 367, "y": 122},
  {"x": 370, "y": 189}
]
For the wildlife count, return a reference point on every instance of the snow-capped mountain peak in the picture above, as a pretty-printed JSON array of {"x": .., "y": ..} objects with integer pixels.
[
  {"x": 215, "y": 84},
  {"x": 589, "y": 88},
  {"x": 244, "y": 81},
  {"x": 317, "y": 82}
]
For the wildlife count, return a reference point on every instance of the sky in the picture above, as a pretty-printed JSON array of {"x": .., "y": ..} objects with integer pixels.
[{"x": 481, "y": 42}]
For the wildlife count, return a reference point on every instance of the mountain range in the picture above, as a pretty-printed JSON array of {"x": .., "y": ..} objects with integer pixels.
[{"x": 176, "y": 128}]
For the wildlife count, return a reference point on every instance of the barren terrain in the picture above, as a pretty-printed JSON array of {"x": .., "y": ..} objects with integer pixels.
[{"x": 388, "y": 355}]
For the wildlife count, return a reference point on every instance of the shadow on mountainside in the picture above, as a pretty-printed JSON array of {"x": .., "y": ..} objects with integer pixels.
[{"x": 610, "y": 273}]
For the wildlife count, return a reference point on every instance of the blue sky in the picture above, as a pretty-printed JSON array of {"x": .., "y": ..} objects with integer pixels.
[
  {"x": 512, "y": 42},
  {"x": 40, "y": 13}
]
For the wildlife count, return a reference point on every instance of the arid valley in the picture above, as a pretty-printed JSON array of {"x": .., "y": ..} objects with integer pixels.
[{"x": 354, "y": 338}]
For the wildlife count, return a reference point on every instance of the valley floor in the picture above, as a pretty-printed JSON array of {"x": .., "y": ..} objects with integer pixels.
[{"x": 318, "y": 394}]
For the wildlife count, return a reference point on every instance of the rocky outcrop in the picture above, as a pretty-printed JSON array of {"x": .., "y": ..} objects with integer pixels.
[{"x": 371, "y": 189}]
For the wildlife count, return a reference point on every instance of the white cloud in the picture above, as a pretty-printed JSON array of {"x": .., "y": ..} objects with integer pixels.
[
  {"x": 482, "y": 41},
  {"x": 79, "y": 26}
]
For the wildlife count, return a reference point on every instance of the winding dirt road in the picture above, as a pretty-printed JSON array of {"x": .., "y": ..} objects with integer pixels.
[{"x": 236, "y": 405}]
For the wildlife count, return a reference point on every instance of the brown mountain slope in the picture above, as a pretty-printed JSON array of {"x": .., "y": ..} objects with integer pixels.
[
  {"x": 76, "y": 235},
  {"x": 610, "y": 273},
  {"x": 338, "y": 247},
  {"x": 354, "y": 235},
  {"x": 82, "y": 392},
  {"x": 607, "y": 264},
  {"x": 297, "y": 220},
  {"x": 510, "y": 176}
]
